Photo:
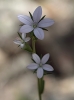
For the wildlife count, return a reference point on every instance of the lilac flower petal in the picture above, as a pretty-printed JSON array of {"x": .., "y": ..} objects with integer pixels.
[
  {"x": 26, "y": 29},
  {"x": 27, "y": 39},
  {"x": 17, "y": 42},
  {"x": 45, "y": 58},
  {"x": 38, "y": 32},
  {"x": 22, "y": 45},
  {"x": 47, "y": 67},
  {"x": 33, "y": 66},
  {"x": 45, "y": 23},
  {"x": 39, "y": 72},
  {"x": 25, "y": 19},
  {"x": 37, "y": 14},
  {"x": 23, "y": 36},
  {"x": 36, "y": 58}
]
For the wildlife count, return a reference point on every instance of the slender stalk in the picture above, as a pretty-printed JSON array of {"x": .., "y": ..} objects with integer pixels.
[
  {"x": 39, "y": 80},
  {"x": 33, "y": 44}
]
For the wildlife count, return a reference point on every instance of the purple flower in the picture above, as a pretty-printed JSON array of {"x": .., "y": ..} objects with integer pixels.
[
  {"x": 22, "y": 42},
  {"x": 40, "y": 64},
  {"x": 35, "y": 25}
]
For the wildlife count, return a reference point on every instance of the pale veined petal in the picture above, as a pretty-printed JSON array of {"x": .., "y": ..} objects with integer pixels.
[
  {"x": 25, "y": 19},
  {"x": 37, "y": 14},
  {"x": 39, "y": 72},
  {"x": 33, "y": 66},
  {"x": 17, "y": 42},
  {"x": 38, "y": 32},
  {"x": 45, "y": 23},
  {"x": 26, "y": 29},
  {"x": 47, "y": 67},
  {"x": 23, "y": 36},
  {"x": 22, "y": 45},
  {"x": 36, "y": 58},
  {"x": 27, "y": 39},
  {"x": 45, "y": 58}
]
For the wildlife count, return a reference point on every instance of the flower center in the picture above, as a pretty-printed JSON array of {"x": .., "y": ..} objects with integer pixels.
[
  {"x": 40, "y": 65},
  {"x": 34, "y": 25}
]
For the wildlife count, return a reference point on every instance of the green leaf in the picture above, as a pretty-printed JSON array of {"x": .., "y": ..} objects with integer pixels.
[
  {"x": 31, "y": 15},
  {"x": 20, "y": 35},
  {"x": 42, "y": 18}
]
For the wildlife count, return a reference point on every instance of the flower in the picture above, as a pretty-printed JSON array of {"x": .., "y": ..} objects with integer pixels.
[
  {"x": 40, "y": 64},
  {"x": 36, "y": 24},
  {"x": 22, "y": 42}
]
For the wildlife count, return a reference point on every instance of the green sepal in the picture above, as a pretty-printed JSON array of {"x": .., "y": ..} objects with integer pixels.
[
  {"x": 27, "y": 47},
  {"x": 33, "y": 61},
  {"x": 42, "y": 85},
  {"x": 18, "y": 45},
  {"x": 46, "y": 72},
  {"x": 42, "y": 18},
  {"x": 32, "y": 35},
  {"x": 20, "y": 35},
  {"x": 35, "y": 71},
  {"x": 45, "y": 29},
  {"x": 31, "y": 15},
  {"x": 21, "y": 25}
]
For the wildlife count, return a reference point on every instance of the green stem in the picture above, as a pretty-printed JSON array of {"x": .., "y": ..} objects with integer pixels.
[
  {"x": 39, "y": 80},
  {"x": 33, "y": 44}
]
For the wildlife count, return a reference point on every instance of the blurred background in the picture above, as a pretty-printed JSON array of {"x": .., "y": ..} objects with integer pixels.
[{"x": 16, "y": 81}]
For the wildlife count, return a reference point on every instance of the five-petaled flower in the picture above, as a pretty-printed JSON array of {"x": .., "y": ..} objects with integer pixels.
[
  {"x": 40, "y": 64},
  {"x": 22, "y": 42},
  {"x": 35, "y": 24}
]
